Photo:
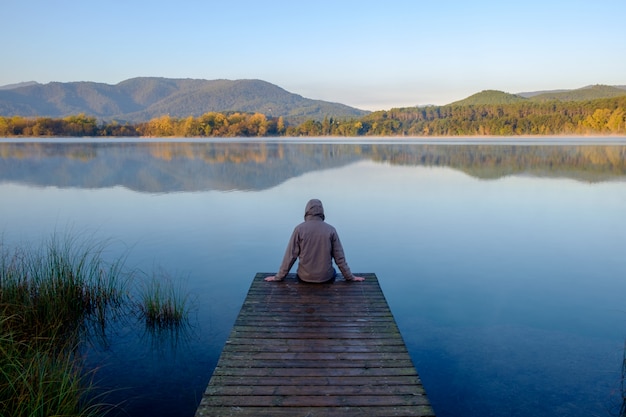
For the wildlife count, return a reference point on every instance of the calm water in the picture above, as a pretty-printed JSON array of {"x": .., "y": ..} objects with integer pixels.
[{"x": 503, "y": 264}]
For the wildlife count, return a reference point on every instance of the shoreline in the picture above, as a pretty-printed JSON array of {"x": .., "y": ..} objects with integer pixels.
[{"x": 420, "y": 140}]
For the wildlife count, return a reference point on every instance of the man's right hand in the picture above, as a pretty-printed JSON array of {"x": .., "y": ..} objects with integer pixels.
[{"x": 272, "y": 278}]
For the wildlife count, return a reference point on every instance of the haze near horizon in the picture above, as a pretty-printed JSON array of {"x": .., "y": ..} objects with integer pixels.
[{"x": 364, "y": 54}]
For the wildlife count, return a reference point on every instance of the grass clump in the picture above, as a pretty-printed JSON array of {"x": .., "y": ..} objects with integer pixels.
[
  {"x": 52, "y": 301},
  {"x": 51, "y": 294},
  {"x": 163, "y": 305},
  {"x": 38, "y": 382}
]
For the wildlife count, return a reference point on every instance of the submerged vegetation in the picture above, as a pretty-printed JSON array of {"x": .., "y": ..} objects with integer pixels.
[
  {"x": 52, "y": 302},
  {"x": 469, "y": 118}
]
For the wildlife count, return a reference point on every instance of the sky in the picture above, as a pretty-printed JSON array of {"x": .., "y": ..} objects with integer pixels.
[{"x": 373, "y": 55}]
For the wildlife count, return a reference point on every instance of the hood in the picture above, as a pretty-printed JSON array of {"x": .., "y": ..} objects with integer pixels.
[{"x": 314, "y": 209}]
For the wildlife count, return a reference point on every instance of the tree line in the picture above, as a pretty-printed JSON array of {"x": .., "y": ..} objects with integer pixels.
[{"x": 603, "y": 116}]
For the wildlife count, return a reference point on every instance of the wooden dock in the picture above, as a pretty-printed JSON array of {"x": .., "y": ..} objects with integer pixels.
[{"x": 310, "y": 350}]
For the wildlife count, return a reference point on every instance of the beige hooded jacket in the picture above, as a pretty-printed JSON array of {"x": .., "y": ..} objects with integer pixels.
[{"x": 315, "y": 243}]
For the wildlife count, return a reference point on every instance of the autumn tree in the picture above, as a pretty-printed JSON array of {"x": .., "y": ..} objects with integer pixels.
[
  {"x": 213, "y": 124},
  {"x": 80, "y": 125},
  {"x": 256, "y": 125},
  {"x": 280, "y": 125}
]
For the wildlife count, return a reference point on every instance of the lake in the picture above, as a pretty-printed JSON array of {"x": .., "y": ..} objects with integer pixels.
[{"x": 502, "y": 262}]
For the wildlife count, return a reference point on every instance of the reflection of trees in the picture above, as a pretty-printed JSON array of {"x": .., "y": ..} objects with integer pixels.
[
  {"x": 588, "y": 163},
  {"x": 217, "y": 153},
  {"x": 190, "y": 166},
  {"x": 166, "y": 166},
  {"x": 42, "y": 150}
]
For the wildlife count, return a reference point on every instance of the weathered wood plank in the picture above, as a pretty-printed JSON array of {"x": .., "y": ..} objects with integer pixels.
[
  {"x": 404, "y": 411},
  {"x": 320, "y": 343},
  {"x": 337, "y": 382},
  {"x": 302, "y": 363},
  {"x": 303, "y": 390},
  {"x": 311, "y": 350},
  {"x": 353, "y": 399},
  {"x": 315, "y": 356},
  {"x": 337, "y": 372}
]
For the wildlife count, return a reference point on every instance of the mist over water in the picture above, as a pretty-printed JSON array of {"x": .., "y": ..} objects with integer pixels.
[{"x": 503, "y": 264}]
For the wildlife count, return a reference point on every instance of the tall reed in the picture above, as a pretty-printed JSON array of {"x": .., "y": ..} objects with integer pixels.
[
  {"x": 52, "y": 292},
  {"x": 48, "y": 297},
  {"x": 54, "y": 299},
  {"x": 162, "y": 304},
  {"x": 39, "y": 383}
]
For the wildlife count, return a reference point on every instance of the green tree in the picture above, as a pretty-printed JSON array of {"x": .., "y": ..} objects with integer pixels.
[
  {"x": 80, "y": 125},
  {"x": 598, "y": 120},
  {"x": 310, "y": 128},
  {"x": 213, "y": 124},
  {"x": 617, "y": 121}
]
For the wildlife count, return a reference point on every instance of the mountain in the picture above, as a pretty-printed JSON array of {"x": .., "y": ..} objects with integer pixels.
[
  {"x": 145, "y": 98},
  {"x": 489, "y": 97},
  {"x": 591, "y": 92},
  {"x": 12, "y": 86}
]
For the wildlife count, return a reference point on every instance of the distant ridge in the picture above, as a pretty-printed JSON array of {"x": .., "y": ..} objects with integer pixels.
[
  {"x": 592, "y": 92},
  {"x": 144, "y": 98},
  {"x": 536, "y": 93},
  {"x": 489, "y": 97},
  {"x": 12, "y": 86}
]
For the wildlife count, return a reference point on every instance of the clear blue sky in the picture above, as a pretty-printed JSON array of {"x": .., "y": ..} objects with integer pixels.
[{"x": 368, "y": 54}]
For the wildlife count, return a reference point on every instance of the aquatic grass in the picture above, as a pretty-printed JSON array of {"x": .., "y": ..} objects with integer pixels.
[
  {"x": 48, "y": 297},
  {"x": 55, "y": 291},
  {"x": 162, "y": 304},
  {"x": 36, "y": 382},
  {"x": 55, "y": 298}
]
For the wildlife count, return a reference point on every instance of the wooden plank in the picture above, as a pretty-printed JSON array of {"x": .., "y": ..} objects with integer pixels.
[
  {"x": 311, "y": 350},
  {"x": 276, "y": 411}
]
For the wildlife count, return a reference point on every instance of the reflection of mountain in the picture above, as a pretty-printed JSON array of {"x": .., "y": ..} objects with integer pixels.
[
  {"x": 165, "y": 167},
  {"x": 197, "y": 166}
]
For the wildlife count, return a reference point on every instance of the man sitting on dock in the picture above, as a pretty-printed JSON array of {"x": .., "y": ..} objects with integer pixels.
[{"x": 315, "y": 243}]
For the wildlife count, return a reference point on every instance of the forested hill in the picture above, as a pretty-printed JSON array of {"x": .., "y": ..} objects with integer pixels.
[
  {"x": 489, "y": 97},
  {"x": 142, "y": 99},
  {"x": 592, "y": 92}
]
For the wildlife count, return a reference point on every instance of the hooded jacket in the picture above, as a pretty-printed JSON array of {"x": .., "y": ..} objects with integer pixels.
[{"x": 315, "y": 243}]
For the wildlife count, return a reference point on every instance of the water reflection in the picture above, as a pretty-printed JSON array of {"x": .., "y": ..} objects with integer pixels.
[
  {"x": 503, "y": 264},
  {"x": 200, "y": 166}
]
